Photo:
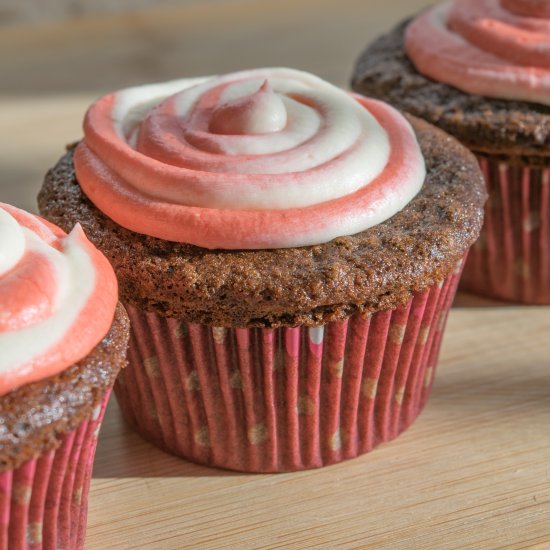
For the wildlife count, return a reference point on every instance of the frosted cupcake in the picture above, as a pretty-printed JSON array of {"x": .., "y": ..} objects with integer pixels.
[
  {"x": 287, "y": 252},
  {"x": 481, "y": 71},
  {"x": 63, "y": 340}
]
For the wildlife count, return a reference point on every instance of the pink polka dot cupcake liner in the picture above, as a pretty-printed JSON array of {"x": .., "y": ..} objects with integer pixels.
[
  {"x": 43, "y": 503},
  {"x": 511, "y": 259},
  {"x": 276, "y": 400}
]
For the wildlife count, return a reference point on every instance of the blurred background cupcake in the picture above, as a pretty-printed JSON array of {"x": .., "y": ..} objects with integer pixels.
[
  {"x": 287, "y": 253},
  {"x": 63, "y": 340},
  {"x": 480, "y": 71}
]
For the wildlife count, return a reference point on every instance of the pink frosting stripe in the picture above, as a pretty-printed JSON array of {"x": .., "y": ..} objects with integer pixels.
[
  {"x": 212, "y": 173},
  {"x": 241, "y": 229},
  {"x": 30, "y": 296},
  {"x": 494, "y": 48}
]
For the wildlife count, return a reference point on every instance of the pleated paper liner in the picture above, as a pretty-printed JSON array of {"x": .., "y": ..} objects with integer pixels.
[
  {"x": 274, "y": 400},
  {"x": 511, "y": 260},
  {"x": 43, "y": 503}
]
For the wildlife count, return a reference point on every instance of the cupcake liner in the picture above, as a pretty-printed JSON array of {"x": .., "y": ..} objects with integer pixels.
[
  {"x": 272, "y": 400},
  {"x": 511, "y": 259},
  {"x": 43, "y": 503}
]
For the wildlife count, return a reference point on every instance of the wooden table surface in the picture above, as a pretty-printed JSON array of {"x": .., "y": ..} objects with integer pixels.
[{"x": 472, "y": 472}]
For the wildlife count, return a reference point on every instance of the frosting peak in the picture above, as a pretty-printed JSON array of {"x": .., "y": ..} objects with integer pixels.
[
  {"x": 494, "y": 48},
  {"x": 57, "y": 298},
  {"x": 269, "y": 158},
  {"x": 258, "y": 113}
]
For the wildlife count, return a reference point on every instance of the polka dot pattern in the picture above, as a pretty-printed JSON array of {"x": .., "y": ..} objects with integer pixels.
[
  {"x": 336, "y": 440},
  {"x": 218, "y": 334},
  {"x": 21, "y": 494},
  {"x": 510, "y": 260},
  {"x": 399, "y": 394},
  {"x": 531, "y": 222},
  {"x": 34, "y": 533},
  {"x": 236, "y": 380},
  {"x": 337, "y": 368},
  {"x": 315, "y": 340},
  {"x": 423, "y": 334},
  {"x": 316, "y": 335},
  {"x": 369, "y": 388},
  {"x": 95, "y": 433},
  {"x": 77, "y": 495},
  {"x": 397, "y": 334},
  {"x": 151, "y": 365},
  {"x": 306, "y": 406},
  {"x": 290, "y": 398},
  {"x": 202, "y": 437},
  {"x": 257, "y": 434},
  {"x": 192, "y": 382}
]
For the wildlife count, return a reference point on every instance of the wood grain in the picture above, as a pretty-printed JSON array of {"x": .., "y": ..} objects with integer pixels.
[{"x": 473, "y": 471}]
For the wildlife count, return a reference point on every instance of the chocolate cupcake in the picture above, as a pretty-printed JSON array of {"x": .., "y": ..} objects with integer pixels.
[
  {"x": 479, "y": 70},
  {"x": 287, "y": 253},
  {"x": 63, "y": 340}
]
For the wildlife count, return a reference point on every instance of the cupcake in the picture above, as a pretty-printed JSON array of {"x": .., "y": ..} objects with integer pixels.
[
  {"x": 287, "y": 253},
  {"x": 63, "y": 340},
  {"x": 480, "y": 71}
]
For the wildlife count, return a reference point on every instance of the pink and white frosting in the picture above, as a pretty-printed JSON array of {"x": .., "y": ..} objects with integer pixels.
[
  {"x": 493, "y": 48},
  {"x": 268, "y": 158},
  {"x": 58, "y": 296}
]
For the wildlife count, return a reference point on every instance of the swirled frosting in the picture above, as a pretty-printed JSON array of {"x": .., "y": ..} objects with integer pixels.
[
  {"x": 269, "y": 158},
  {"x": 493, "y": 48},
  {"x": 57, "y": 298}
]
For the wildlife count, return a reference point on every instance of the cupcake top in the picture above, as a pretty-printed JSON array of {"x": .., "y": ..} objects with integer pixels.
[
  {"x": 58, "y": 296},
  {"x": 493, "y": 48},
  {"x": 478, "y": 69},
  {"x": 266, "y": 198},
  {"x": 261, "y": 159},
  {"x": 373, "y": 270}
]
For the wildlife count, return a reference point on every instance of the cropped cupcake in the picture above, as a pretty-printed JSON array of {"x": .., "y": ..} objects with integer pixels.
[
  {"x": 63, "y": 340},
  {"x": 287, "y": 252},
  {"x": 480, "y": 69}
]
